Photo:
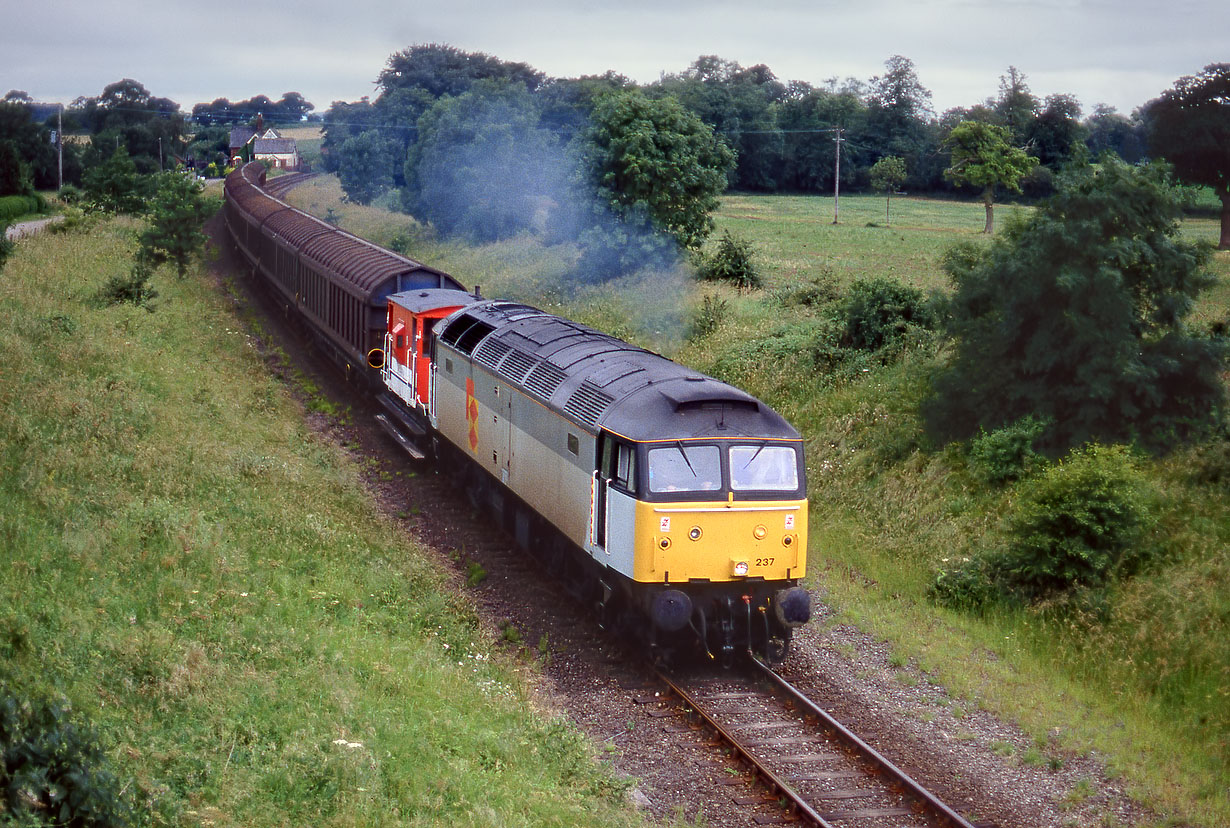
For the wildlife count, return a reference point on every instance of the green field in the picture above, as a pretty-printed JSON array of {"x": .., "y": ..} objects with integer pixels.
[
  {"x": 1145, "y": 685},
  {"x": 206, "y": 583}
]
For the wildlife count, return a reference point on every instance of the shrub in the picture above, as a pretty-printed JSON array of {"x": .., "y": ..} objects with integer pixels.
[
  {"x": 968, "y": 586},
  {"x": 14, "y": 206},
  {"x": 70, "y": 195},
  {"x": 814, "y": 292},
  {"x": 133, "y": 288},
  {"x": 709, "y": 317},
  {"x": 732, "y": 263},
  {"x": 1079, "y": 523},
  {"x": 880, "y": 311},
  {"x": 1007, "y": 453},
  {"x": 53, "y": 771}
]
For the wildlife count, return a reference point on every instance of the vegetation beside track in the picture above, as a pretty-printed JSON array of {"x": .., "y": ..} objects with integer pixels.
[
  {"x": 191, "y": 572},
  {"x": 1137, "y": 673}
]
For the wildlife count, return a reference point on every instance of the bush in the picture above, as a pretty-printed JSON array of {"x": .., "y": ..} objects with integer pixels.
[
  {"x": 1007, "y": 453},
  {"x": 15, "y": 206},
  {"x": 1077, "y": 527},
  {"x": 814, "y": 292},
  {"x": 731, "y": 263},
  {"x": 1079, "y": 523},
  {"x": 54, "y": 772},
  {"x": 880, "y": 311},
  {"x": 133, "y": 288},
  {"x": 709, "y": 317}
]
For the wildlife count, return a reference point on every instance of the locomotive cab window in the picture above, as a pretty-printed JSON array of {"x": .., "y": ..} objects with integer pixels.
[
  {"x": 680, "y": 467},
  {"x": 763, "y": 468}
]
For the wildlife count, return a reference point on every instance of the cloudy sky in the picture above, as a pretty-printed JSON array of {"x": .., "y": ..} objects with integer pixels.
[{"x": 1118, "y": 52}]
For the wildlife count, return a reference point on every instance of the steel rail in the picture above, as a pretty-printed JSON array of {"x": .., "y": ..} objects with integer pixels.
[
  {"x": 886, "y": 769},
  {"x": 778, "y": 785}
]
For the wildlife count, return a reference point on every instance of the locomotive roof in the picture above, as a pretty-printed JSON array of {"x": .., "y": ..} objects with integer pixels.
[{"x": 603, "y": 382}]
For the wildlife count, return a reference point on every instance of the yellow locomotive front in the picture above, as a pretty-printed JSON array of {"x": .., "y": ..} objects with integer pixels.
[{"x": 721, "y": 512}]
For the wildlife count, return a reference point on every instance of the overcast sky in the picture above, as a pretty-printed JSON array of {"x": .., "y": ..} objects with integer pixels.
[{"x": 1118, "y": 52}]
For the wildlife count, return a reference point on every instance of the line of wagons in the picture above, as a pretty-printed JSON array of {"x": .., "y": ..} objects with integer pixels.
[{"x": 675, "y": 503}]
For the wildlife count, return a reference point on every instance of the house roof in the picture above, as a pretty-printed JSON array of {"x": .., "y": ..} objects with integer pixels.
[
  {"x": 241, "y": 136},
  {"x": 277, "y": 146}
]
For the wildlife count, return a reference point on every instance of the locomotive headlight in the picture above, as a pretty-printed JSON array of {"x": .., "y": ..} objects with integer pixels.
[
  {"x": 694, "y": 533},
  {"x": 738, "y": 568},
  {"x": 759, "y": 532}
]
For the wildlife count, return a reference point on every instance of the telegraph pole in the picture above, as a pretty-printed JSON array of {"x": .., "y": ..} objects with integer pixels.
[
  {"x": 837, "y": 177},
  {"x": 60, "y": 141}
]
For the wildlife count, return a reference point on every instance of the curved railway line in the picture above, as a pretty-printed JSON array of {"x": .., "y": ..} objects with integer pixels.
[{"x": 812, "y": 769}]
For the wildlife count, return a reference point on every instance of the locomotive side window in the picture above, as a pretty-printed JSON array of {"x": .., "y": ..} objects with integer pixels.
[
  {"x": 763, "y": 468},
  {"x": 618, "y": 463},
  {"x": 681, "y": 468}
]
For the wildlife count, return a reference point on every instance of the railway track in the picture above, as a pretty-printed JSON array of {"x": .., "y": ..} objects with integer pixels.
[{"x": 811, "y": 769}]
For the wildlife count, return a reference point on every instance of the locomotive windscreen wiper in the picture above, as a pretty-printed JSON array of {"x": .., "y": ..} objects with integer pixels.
[
  {"x": 684, "y": 454},
  {"x": 756, "y": 454}
]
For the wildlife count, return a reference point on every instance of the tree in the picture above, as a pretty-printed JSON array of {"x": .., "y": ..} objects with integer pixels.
[
  {"x": 887, "y": 174},
  {"x": 1016, "y": 106},
  {"x": 982, "y": 157},
  {"x": 176, "y": 214},
  {"x": 1189, "y": 126},
  {"x": 365, "y": 167},
  {"x": 655, "y": 158},
  {"x": 482, "y": 167},
  {"x": 1075, "y": 316},
  {"x": 899, "y": 116},
  {"x": 1057, "y": 133},
  {"x": 446, "y": 70},
  {"x": 114, "y": 185}
]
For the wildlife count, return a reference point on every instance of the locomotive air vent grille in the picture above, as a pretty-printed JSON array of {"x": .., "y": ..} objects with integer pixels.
[
  {"x": 516, "y": 365},
  {"x": 491, "y": 352},
  {"x": 544, "y": 379},
  {"x": 588, "y": 403}
]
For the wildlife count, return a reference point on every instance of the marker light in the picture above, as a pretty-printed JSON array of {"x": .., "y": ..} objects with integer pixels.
[
  {"x": 739, "y": 568},
  {"x": 759, "y": 532},
  {"x": 694, "y": 533}
]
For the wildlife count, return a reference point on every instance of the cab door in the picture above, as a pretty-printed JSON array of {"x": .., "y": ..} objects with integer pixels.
[{"x": 613, "y": 497}]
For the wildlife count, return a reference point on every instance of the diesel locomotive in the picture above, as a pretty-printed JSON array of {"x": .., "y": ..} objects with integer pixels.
[{"x": 675, "y": 503}]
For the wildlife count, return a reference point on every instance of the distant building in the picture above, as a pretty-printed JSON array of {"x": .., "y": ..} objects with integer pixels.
[
  {"x": 281, "y": 152},
  {"x": 263, "y": 144}
]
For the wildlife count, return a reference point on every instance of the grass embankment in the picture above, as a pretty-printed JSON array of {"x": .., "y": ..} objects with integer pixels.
[
  {"x": 207, "y": 581},
  {"x": 1146, "y": 685}
]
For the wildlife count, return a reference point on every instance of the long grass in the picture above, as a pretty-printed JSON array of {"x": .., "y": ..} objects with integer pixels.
[{"x": 207, "y": 582}]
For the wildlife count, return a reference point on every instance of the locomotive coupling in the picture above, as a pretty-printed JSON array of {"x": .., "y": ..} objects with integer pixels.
[{"x": 792, "y": 607}]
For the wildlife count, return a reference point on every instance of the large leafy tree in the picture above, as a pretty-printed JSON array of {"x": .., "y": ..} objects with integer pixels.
[
  {"x": 983, "y": 157},
  {"x": 655, "y": 158},
  {"x": 365, "y": 167},
  {"x": 446, "y": 70},
  {"x": 899, "y": 115},
  {"x": 482, "y": 167},
  {"x": 1076, "y": 316},
  {"x": 29, "y": 141},
  {"x": 1189, "y": 126}
]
